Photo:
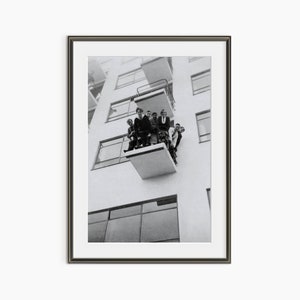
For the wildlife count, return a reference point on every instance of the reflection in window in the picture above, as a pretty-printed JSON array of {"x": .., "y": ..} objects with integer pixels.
[
  {"x": 151, "y": 221},
  {"x": 204, "y": 126},
  {"x": 130, "y": 78},
  {"x": 111, "y": 152},
  {"x": 121, "y": 109},
  {"x": 201, "y": 82}
]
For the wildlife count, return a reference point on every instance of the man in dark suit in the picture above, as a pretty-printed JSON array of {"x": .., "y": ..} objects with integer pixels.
[
  {"x": 142, "y": 128},
  {"x": 131, "y": 135}
]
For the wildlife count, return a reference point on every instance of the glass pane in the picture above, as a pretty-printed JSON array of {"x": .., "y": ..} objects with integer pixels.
[
  {"x": 159, "y": 205},
  {"x": 139, "y": 75},
  {"x": 204, "y": 138},
  {"x": 203, "y": 115},
  {"x": 204, "y": 126},
  {"x": 125, "y": 145},
  {"x": 126, "y": 211},
  {"x": 201, "y": 82},
  {"x": 126, "y": 79},
  {"x": 132, "y": 107},
  {"x": 124, "y": 229},
  {"x": 90, "y": 115},
  {"x": 111, "y": 142},
  {"x": 161, "y": 225},
  {"x": 97, "y": 232},
  {"x": 118, "y": 109},
  {"x": 97, "y": 217},
  {"x": 107, "y": 163},
  {"x": 109, "y": 152}
]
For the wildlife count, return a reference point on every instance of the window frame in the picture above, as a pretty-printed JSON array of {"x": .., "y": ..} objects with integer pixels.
[
  {"x": 99, "y": 149},
  {"x": 173, "y": 199},
  {"x": 204, "y": 89},
  {"x": 117, "y": 87},
  {"x": 199, "y": 135},
  {"x": 130, "y": 99}
]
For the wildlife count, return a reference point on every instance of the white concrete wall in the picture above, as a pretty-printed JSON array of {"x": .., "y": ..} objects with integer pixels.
[{"x": 121, "y": 184}]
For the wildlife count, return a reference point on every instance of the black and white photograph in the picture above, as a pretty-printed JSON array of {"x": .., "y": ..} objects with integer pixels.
[{"x": 149, "y": 149}]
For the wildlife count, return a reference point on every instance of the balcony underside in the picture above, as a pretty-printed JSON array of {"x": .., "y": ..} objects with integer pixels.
[
  {"x": 152, "y": 161},
  {"x": 157, "y": 69},
  {"x": 155, "y": 101}
]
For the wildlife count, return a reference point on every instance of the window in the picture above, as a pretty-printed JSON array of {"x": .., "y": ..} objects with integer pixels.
[
  {"x": 204, "y": 126},
  {"x": 201, "y": 82},
  {"x": 121, "y": 109},
  {"x": 130, "y": 78},
  {"x": 193, "y": 58},
  {"x": 151, "y": 221},
  {"x": 110, "y": 152}
]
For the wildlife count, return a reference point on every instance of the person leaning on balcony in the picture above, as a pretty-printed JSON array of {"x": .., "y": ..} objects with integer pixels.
[
  {"x": 163, "y": 121},
  {"x": 131, "y": 135},
  {"x": 154, "y": 128},
  {"x": 180, "y": 131},
  {"x": 142, "y": 128},
  {"x": 173, "y": 137}
]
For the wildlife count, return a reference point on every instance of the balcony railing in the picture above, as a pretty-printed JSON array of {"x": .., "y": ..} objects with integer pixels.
[{"x": 156, "y": 96}]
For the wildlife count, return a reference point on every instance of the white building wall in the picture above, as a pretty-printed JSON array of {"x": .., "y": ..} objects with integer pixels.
[{"x": 120, "y": 184}]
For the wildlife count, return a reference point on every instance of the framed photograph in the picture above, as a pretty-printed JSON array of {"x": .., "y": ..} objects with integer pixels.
[{"x": 149, "y": 149}]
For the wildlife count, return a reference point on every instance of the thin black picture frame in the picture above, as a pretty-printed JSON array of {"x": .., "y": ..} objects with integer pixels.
[{"x": 70, "y": 117}]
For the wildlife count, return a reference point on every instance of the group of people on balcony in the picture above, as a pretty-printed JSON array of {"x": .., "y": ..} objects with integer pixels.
[{"x": 149, "y": 129}]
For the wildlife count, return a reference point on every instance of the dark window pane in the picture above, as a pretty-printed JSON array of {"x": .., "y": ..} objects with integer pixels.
[
  {"x": 126, "y": 211},
  {"x": 98, "y": 217},
  {"x": 159, "y": 226},
  {"x": 159, "y": 205},
  {"x": 124, "y": 229},
  {"x": 97, "y": 232}
]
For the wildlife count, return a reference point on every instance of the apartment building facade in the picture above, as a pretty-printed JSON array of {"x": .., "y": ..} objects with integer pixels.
[{"x": 141, "y": 195}]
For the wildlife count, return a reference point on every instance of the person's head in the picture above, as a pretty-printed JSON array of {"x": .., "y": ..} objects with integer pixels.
[
  {"x": 163, "y": 113},
  {"x": 139, "y": 111},
  {"x": 154, "y": 115},
  {"x": 129, "y": 122},
  {"x": 177, "y": 126},
  {"x": 148, "y": 114}
]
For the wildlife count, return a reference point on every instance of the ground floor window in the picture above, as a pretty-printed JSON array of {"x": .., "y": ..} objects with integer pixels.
[{"x": 149, "y": 221}]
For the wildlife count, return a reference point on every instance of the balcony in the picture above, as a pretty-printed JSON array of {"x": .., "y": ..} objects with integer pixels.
[
  {"x": 156, "y": 68},
  {"x": 156, "y": 96},
  {"x": 152, "y": 161}
]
